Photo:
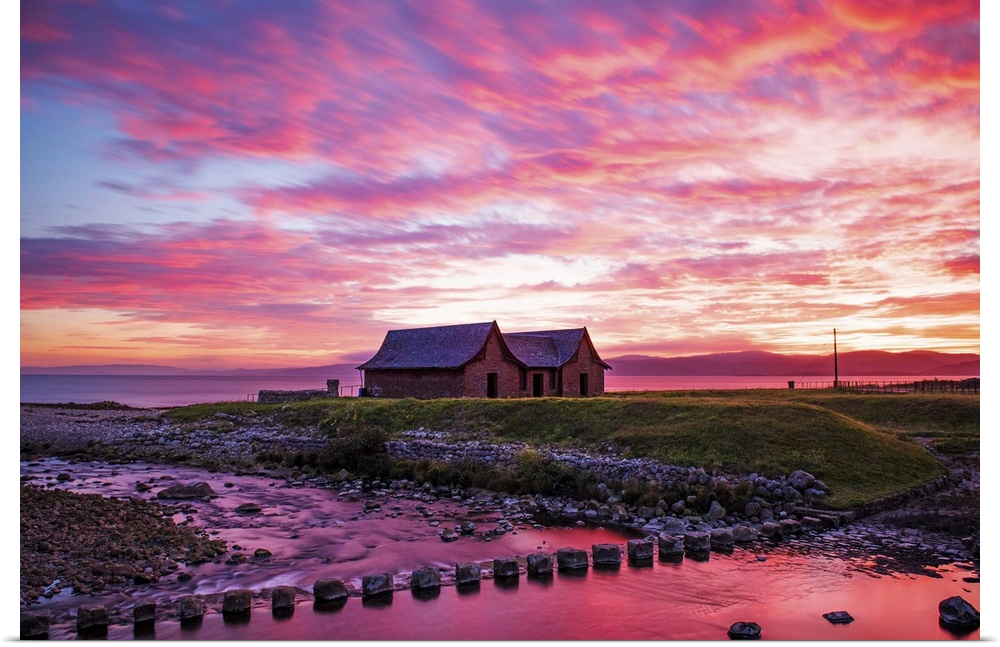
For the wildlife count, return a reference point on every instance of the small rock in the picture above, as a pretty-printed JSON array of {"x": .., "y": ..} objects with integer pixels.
[
  {"x": 839, "y": 617},
  {"x": 194, "y": 490},
  {"x": 144, "y": 611},
  {"x": 376, "y": 584},
  {"x": 237, "y": 601},
  {"x": 35, "y": 624},
  {"x": 448, "y": 535},
  {"x": 697, "y": 542},
  {"x": 191, "y": 607},
  {"x": 283, "y": 597},
  {"x": 571, "y": 559},
  {"x": 539, "y": 564},
  {"x": 639, "y": 549},
  {"x": 606, "y": 555},
  {"x": 669, "y": 544},
  {"x": 423, "y": 579},
  {"x": 467, "y": 573},
  {"x": 957, "y": 613},
  {"x": 248, "y": 508},
  {"x": 329, "y": 590},
  {"x": 505, "y": 567},
  {"x": 91, "y": 617},
  {"x": 744, "y": 631}
]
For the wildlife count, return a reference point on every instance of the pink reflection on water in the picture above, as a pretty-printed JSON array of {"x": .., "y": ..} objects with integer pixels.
[{"x": 312, "y": 533}]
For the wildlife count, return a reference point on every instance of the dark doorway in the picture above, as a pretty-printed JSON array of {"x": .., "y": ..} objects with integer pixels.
[
  {"x": 537, "y": 384},
  {"x": 491, "y": 385},
  {"x": 583, "y": 385}
]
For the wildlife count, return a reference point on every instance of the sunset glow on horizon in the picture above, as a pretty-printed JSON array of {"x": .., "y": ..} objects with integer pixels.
[{"x": 209, "y": 184}]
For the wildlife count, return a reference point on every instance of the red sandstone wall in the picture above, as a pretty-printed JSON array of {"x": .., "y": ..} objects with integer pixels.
[
  {"x": 494, "y": 361},
  {"x": 423, "y": 383},
  {"x": 583, "y": 363}
]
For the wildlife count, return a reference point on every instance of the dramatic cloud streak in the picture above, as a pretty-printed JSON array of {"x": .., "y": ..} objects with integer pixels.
[{"x": 264, "y": 183}]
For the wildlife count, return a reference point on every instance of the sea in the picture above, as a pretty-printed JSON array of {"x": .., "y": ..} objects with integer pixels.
[{"x": 157, "y": 391}]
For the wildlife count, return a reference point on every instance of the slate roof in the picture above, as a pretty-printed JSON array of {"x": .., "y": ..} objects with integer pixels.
[
  {"x": 450, "y": 347},
  {"x": 437, "y": 347},
  {"x": 548, "y": 348}
]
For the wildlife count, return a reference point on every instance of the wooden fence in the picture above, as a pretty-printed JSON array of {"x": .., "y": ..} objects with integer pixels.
[{"x": 966, "y": 386}]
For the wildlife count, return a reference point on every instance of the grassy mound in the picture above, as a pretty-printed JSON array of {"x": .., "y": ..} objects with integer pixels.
[{"x": 860, "y": 445}]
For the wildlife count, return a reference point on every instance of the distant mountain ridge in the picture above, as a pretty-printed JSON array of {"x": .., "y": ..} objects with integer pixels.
[
  {"x": 329, "y": 370},
  {"x": 752, "y": 362},
  {"x": 865, "y": 362}
]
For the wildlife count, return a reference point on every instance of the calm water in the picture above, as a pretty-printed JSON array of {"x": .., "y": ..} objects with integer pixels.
[
  {"x": 168, "y": 391},
  {"x": 313, "y": 533}
]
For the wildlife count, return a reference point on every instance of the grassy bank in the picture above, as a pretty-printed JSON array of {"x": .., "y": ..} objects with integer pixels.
[{"x": 860, "y": 445}]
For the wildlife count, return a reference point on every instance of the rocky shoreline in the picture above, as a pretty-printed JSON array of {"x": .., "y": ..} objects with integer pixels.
[{"x": 778, "y": 512}]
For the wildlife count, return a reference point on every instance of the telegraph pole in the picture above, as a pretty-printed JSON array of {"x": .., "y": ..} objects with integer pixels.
[{"x": 836, "y": 372}]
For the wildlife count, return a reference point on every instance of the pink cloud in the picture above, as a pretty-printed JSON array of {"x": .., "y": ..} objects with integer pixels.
[{"x": 754, "y": 152}]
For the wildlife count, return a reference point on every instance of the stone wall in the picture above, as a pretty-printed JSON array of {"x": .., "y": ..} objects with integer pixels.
[{"x": 271, "y": 397}]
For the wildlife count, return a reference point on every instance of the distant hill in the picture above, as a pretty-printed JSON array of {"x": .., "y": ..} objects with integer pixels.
[
  {"x": 764, "y": 363},
  {"x": 752, "y": 362},
  {"x": 329, "y": 370}
]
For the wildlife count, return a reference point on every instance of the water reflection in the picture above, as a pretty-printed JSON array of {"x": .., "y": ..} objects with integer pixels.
[{"x": 785, "y": 588}]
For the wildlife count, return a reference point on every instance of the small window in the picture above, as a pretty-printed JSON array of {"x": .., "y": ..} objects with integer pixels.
[
  {"x": 552, "y": 380},
  {"x": 524, "y": 380}
]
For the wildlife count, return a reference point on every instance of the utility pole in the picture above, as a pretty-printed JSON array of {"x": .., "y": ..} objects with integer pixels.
[{"x": 836, "y": 371}]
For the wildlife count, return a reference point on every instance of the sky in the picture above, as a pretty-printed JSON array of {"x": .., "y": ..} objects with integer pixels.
[{"x": 222, "y": 184}]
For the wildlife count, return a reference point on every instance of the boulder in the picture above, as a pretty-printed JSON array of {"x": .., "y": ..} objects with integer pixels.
[
  {"x": 669, "y": 544},
  {"x": 505, "y": 567},
  {"x": 467, "y": 573},
  {"x": 448, "y": 535},
  {"x": 571, "y": 559},
  {"x": 376, "y": 584},
  {"x": 195, "y": 490},
  {"x": 283, "y": 597},
  {"x": 801, "y": 480},
  {"x": 770, "y": 530},
  {"x": 744, "y": 631},
  {"x": 191, "y": 608},
  {"x": 956, "y": 613},
  {"x": 715, "y": 512},
  {"x": 607, "y": 555},
  {"x": 91, "y": 617},
  {"x": 674, "y": 526},
  {"x": 721, "y": 539},
  {"x": 35, "y": 624},
  {"x": 329, "y": 590},
  {"x": 426, "y": 578},
  {"x": 744, "y": 534},
  {"x": 697, "y": 542},
  {"x": 789, "y": 527},
  {"x": 812, "y": 523},
  {"x": 248, "y": 508},
  {"x": 467, "y": 528},
  {"x": 237, "y": 601},
  {"x": 539, "y": 564},
  {"x": 639, "y": 549}
]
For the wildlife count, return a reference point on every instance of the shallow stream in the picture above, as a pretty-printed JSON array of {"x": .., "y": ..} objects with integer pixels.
[{"x": 315, "y": 532}]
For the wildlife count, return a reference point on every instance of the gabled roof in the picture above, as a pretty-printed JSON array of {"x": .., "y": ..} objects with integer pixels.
[
  {"x": 451, "y": 347},
  {"x": 549, "y": 348},
  {"x": 437, "y": 347}
]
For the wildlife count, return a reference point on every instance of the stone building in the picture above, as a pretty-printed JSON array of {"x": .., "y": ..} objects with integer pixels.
[{"x": 479, "y": 361}]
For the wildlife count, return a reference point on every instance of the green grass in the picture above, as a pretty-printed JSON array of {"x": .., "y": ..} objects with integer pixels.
[{"x": 860, "y": 445}]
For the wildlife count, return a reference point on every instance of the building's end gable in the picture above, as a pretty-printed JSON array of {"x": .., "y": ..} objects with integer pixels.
[{"x": 561, "y": 346}]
